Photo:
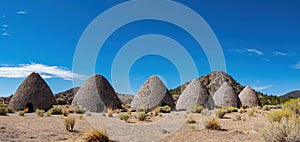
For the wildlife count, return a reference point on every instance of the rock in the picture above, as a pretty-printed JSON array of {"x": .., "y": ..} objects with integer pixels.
[{"x": 66, "y": 97}]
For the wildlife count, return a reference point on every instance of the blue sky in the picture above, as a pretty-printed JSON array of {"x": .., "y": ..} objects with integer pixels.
[{"x": 260, "y": 41}]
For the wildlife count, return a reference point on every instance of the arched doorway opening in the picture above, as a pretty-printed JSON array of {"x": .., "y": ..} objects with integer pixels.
[{"x": 29, "y": 106}]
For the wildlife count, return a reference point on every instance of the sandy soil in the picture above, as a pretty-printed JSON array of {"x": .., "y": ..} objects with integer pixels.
[{"x": 171, "y": 127}]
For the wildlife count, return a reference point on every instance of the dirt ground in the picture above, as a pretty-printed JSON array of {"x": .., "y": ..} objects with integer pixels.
[{"x": 169, "y": 128}]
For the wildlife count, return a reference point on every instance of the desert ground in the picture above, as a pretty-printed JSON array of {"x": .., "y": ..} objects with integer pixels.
[{"x": 169, "y": 127}]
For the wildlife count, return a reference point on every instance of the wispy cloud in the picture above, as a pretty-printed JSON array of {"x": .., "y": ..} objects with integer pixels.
[
  {"x": 259, "y": 88},
  {"x": 3, "y": 16},
  {"x": 236, "y": 50},
  {"x": 4, "y": 26},
  {"x": 296, "y": 66},
  {"x": 21, "y": 12},
  {"x": 5, "y": 34},
  {"x": 277, "y": 53},
  {"x": 255, "y": 51},
  {"x": 23, "y": 70}
]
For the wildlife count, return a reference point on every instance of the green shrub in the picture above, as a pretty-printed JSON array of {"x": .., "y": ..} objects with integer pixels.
[
  {"x": 141, "y": 116},
  {"x": 196, "y": 108},
  {"x": 21, "y": 113},
  {"x": 3, "y": 111},
  {"x": 293, "y": 105},
  {"x": 124, "y": 116},
  {"x": 69, "y": 123},
  {"x": 220, "y": 113},
  {"x": 56, "y": 109},
  {"x": 285, "y": 131},
  {"x": 143, "y": 108},
  {"x": 40, "y": 112},
  {"x": 3, "y": 105},
  {"x": 10, "y": 110},
  {"x": 165, "y": 109},
  {"x": 212, "y": 123},
  {"x": 80, "y": 110},
  {"x": 231, "y": 109},
  {"x": 277, "y": 115},
  {"x": 48, "y": 113}
]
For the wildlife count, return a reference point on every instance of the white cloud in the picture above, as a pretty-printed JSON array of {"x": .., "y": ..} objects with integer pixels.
[
  {"x": 259, "y": 88},
  {"x": 3, "y": 16},
  {"x": 5, "y": 34},
  {"x": 257, "y": 52},
  {"x": 21, "y": 12},
  {"x": 277, "y": 53},
  {"x": 4, "y": 26},
  {"x": 23, "y": 70},
  {"x": 296, "y": 66}
]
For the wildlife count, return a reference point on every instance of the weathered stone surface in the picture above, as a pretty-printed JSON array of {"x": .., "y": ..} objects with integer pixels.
[
  {"x": 153, "y": 93},
  {"x": 225, "y": 97},
  {"x": 66, "y": 97},
  {"x": 248, "y": 97},
  {"x": 195, "y": 93},
  {"x": 34, "y": 90},
  {"x": 96, "y": 94}
]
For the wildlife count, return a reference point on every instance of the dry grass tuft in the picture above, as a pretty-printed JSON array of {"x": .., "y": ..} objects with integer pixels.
[
  {"x": 70, "y": 123},
  {"x": 110, "y": 112},
  {"x": 96, "y": 136},
  {"x": 212, "y": 123}
]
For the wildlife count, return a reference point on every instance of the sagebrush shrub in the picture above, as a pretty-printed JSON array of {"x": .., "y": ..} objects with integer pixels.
[
  {"x": 56, "y": 109},
  {"x": 21, "y": 113},
  {"x": 231, "y": 109},
  {"x": 3, "y": 111},
  {"x": 277, "y": 115},
  {"x": 196, "y": 108},
  {"x": 39, "y": 112},
  {"x": 165, "y": 109},
  {"x": 143, "y": 108},
  {"x": 80, "y": 110},
  {"x": 284, "y": 131},
  {"x": 124, "y": 116},
  {"x": 220, "y": 113},
  {"x": 141, "y": 116}
]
